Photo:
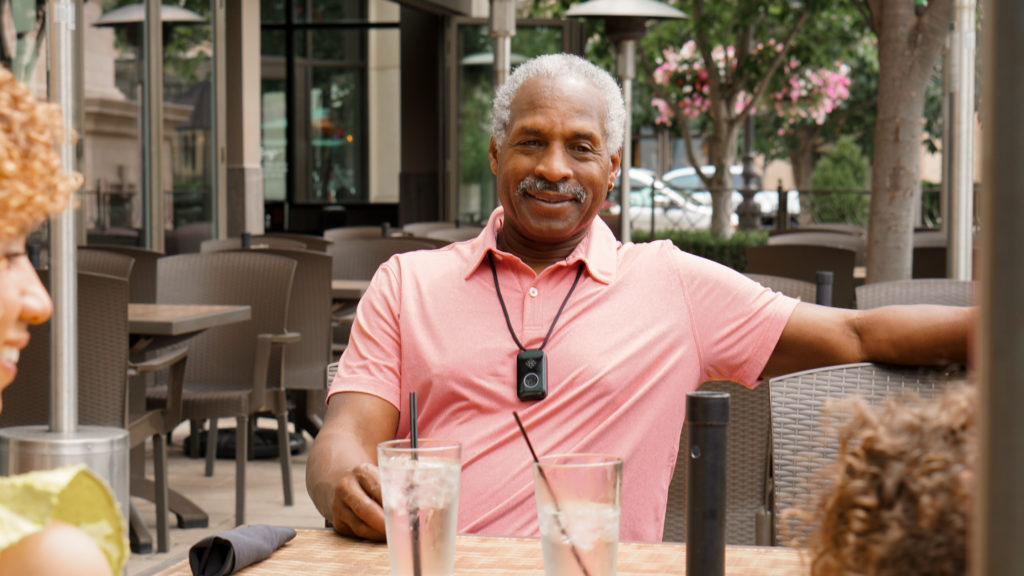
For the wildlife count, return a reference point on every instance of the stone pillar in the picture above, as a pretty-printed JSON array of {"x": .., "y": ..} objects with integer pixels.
[{"x": 245, "y": 174}]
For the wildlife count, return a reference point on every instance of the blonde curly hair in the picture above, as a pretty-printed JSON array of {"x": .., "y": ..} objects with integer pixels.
[
  {"x": 32, "y": 185},
  {"x": 900, "y": 489}
]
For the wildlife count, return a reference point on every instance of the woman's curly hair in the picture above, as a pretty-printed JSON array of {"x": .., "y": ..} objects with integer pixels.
[
  {"x": 900, "y": 489},
  {"x": 32, "y": 184}
]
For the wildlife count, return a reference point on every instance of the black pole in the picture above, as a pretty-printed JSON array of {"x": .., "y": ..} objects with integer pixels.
[
  {"x": 707, "y": 416},
  {"x": 823, "y": 287}
]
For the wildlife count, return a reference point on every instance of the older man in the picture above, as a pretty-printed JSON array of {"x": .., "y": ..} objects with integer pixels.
[{"x": 625, "y": 330}]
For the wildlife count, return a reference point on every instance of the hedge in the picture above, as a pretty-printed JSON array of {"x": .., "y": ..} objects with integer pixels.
[{"x": 729, "y": 251}]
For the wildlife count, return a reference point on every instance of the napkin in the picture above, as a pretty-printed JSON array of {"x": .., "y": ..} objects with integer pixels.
[{"x": 227, "y": 552}]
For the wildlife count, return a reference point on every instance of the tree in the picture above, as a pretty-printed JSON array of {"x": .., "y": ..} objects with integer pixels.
[{"x": 909, "y": 43}]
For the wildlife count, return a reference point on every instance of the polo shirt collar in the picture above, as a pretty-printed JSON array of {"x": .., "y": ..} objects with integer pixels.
[{"x": 598, "y": 250}]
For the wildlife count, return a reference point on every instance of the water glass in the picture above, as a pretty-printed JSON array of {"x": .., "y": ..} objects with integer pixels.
[
  {"x": 420, "y": 493},
  {"x": 578, "y": 509}
]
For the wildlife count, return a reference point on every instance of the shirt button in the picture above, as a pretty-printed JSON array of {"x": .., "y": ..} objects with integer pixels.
[{"x": 533, "y": 292}]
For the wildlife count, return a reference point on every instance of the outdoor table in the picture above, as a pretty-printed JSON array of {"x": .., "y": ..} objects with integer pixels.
[
  {"x": 315, "y": 552},
  {"x": 159, "y": 326},
  {"x": 348, "y": 289}
]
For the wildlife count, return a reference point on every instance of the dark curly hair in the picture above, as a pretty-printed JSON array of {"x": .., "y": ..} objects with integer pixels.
[{"x": 899, "y": 493}]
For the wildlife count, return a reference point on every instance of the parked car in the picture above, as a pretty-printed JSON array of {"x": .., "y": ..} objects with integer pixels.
[
  {"x": 686, "y": 180},
  {"x": 672, "y": 210}
]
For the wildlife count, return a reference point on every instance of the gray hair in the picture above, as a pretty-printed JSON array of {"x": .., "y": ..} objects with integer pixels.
[{"x": 561, "y": 66}]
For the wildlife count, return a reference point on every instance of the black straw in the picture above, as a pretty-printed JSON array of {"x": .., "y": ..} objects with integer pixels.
[
  {"x": 414, "y": 520},
  {"x": 554, "y": 500}
]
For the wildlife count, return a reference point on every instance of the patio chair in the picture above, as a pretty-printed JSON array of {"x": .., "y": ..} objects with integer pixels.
[
  {"x": 103, "y": 372},
  {"x": 421, "y": 228},
  {"x": 104, "y": 262},
  {"x": 142, "y": 281},
  {"x": 748, "y": 519},
  {"x": 221, "y": 244},
  {"x": 309, "y": 314},
  {"x": 805, "y": 291},
  {"x": 358, "y": 259},
  {"x": 352, "y": 232},
  {"x": 802, "y": 262},
  {"x": 228, "y": 368},
  {"x": 857, "y": 243},
  {"x": 315, "y": 243},
  {"x": 801, "y": 444},
  {"x": 454, "y": 234},
  {"x": 839, "y": 227},
  {"x": 945, "y": 291}
]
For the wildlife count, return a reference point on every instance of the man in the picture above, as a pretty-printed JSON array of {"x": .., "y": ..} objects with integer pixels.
[{"x": 626, "y": 331}]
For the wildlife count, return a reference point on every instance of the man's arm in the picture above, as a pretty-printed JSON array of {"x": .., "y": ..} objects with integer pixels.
[
  {"x": 341, "y": 474},
  {"x": 914, "y": 335}
]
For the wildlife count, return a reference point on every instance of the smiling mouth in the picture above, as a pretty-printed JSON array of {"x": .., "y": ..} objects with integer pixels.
[
  {"x": 551, "y": 192},
  {"x": 9, "y": 354}
]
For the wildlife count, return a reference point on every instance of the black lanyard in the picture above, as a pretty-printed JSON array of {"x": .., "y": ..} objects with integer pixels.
[{"x": 531, "y": 365}]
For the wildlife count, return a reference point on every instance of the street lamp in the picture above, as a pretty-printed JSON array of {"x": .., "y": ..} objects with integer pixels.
[{"x": 625, "y": 22}]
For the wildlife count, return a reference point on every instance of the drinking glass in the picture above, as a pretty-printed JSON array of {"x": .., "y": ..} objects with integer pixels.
[
  {"x": 578, "y": 509},
  {"x": 420, "y": 493}
]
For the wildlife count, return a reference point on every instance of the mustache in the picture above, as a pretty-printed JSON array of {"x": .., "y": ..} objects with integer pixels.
[{"x": 575, "y": 189}]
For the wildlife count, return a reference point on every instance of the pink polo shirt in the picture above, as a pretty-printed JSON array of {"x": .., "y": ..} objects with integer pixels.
[{"x": 647, "y": 324}]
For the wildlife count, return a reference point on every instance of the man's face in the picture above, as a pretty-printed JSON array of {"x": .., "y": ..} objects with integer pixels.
[{"x": 554, "y": 168}]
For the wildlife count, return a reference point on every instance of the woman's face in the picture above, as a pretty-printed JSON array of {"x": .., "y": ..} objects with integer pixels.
[{"x": 23, "y": 301}]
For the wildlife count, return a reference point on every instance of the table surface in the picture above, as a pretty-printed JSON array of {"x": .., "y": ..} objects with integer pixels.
[
  {"x": 348, "y": 289},
  {"x": 315, "y": 552},
  {"x": 178, "y": 319}
]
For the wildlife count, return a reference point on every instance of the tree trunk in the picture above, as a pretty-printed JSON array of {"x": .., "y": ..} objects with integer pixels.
[
  {"x": 801, "y": 159},
  {"x": 721, "y": 184},
  {"x": 908, "y": 47}
]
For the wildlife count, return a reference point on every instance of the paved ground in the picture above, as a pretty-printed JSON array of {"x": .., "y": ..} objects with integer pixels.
[{"x": 216, "y": 495}]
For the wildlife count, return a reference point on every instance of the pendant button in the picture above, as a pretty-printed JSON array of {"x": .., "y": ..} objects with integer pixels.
[{"x": 533, "y": 292}]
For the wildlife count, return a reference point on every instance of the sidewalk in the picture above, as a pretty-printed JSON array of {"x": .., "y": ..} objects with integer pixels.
[{"x": 216, "y": 495}]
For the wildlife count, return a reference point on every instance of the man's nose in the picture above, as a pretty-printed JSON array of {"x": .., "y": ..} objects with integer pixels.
[{"x": 554, "y": 165}]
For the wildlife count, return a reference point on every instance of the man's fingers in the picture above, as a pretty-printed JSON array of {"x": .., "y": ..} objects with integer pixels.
[{"x": 356, "y": 508}]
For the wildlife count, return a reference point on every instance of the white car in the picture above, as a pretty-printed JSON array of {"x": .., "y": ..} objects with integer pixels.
[
  {"x": 686, "y": 180},
  {"x": 672, "y": 210}
]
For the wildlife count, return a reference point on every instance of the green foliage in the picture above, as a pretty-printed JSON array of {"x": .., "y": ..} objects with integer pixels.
[
  {"x": 731, "y": 252},
  {"x": 838, "y": 180}
]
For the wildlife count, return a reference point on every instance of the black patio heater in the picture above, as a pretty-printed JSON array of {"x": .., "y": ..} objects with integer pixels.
[{"x": 625, "y": 22}]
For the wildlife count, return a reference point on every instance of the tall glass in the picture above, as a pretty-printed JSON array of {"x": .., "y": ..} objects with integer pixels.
[
  {"x": 578, "y": 509},
  {"x": 420, "y": 492}
]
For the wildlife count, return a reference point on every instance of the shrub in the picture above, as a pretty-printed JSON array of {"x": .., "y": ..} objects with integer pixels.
[{"x": 731, "y": 252}]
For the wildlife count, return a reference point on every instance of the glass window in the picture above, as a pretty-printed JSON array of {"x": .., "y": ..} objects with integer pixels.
[{"x": 336, "y": 136}]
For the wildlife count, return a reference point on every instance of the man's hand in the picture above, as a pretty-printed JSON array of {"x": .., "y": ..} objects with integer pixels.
[
  {"x": 356, "y": 509},
  {"x": 341, "y": 474}
]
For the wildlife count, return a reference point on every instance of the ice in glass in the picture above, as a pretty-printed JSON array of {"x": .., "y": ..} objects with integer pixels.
[
  {"x": 420, "y": 493},
  {"x": 578, "y": 510}
]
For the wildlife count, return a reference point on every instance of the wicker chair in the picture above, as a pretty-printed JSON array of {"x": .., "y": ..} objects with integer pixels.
[
  {"x": 309, "y": 314},
  {"x": 315, "y": 243},
  {"x": 142, "y": 282},
  {"x": 103, "y": 371},
  {"x": 945, "y": 291},
  {"x": 358, "y": 259},
  {"x": 421, "y": 228},
  {"x": 802, "y": 262},
  {"x": 747, "y": 467},
  {"x": 221, "y": 244},
  {"x": 805, "y": 291},
  {"x": 104, "y": 262},
  {"x": 353, "y": 232},
  {"x": 857, "y": 243},
  {"x": 454, "y": 234},
  {"x": 801, "y": 445},
  {"x": 228, "y": 366}
]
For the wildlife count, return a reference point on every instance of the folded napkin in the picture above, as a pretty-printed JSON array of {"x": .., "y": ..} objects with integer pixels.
[{"x": 227, "y": 552}]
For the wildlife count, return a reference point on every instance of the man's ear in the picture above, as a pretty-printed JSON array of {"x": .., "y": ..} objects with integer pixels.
[
  {"x": 492, "y": 155},
  {"x": 616, "y": 164}
]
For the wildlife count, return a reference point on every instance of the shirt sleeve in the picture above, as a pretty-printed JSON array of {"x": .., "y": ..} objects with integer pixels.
[
  {"x": 372, "y": 361},
  {"x": 736, "y": 321}
]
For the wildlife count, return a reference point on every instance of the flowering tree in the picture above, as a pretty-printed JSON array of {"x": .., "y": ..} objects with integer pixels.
[{"x": 714, "y": 87}]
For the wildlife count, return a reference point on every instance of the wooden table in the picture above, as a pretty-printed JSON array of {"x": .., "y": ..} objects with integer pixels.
[
  {"x": 348, "y": 289},
  {"x": 316, "y": 552},
  {"x": 159, "y": 326}
]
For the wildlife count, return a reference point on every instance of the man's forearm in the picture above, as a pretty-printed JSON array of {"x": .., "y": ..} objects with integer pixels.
[
  {"x": 916, "y": 335},
  {"x": 334, "y": 454}
]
